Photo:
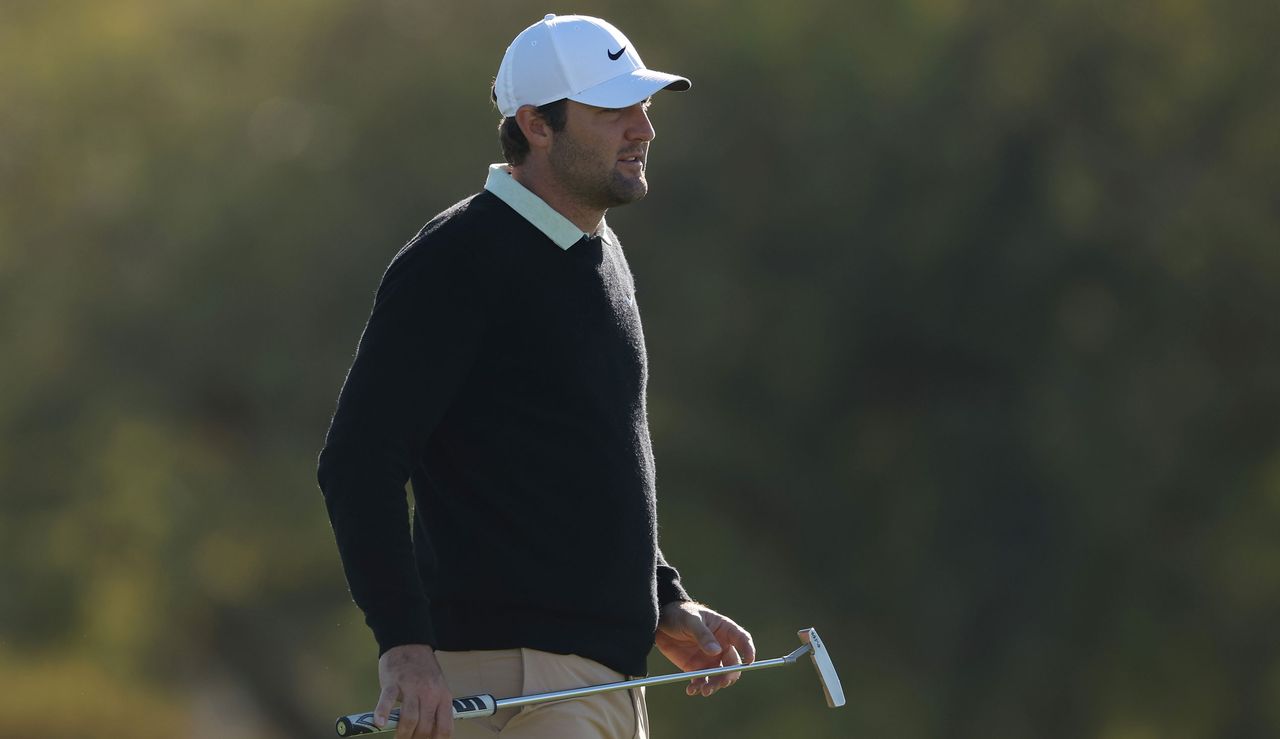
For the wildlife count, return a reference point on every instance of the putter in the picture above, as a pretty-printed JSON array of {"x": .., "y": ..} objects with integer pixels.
[{"x": 476, "y": 706}]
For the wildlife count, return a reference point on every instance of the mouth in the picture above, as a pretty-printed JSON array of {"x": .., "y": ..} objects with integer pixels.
[{"x": 632, "y": 160}]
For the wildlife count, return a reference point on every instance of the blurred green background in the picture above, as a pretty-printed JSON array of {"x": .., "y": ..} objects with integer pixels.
[{"x": 964, "y": 323}]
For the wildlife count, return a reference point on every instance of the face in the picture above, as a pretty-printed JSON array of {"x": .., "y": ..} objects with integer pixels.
[{"x": 599, "y": 157}]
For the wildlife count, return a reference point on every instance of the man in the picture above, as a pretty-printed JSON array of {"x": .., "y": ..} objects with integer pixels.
[{"x": 503, "y": 371}]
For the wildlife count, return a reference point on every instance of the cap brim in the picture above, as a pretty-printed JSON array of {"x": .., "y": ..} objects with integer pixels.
[{"x": 628, "y": 89}]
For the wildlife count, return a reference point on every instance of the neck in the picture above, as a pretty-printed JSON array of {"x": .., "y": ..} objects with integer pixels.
[{"x": 539, "y": 181}]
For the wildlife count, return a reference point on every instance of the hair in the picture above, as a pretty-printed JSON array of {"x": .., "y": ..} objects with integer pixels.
[{"x": 515, "y": 147}]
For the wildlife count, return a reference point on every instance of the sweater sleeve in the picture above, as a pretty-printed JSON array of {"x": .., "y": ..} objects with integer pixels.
[
  {"x": 670, "y": 589},
  {"x": 420, "y": 340}
]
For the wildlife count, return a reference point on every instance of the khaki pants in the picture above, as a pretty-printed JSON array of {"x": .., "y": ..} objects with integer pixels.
[{"x": 504, "y": 673}]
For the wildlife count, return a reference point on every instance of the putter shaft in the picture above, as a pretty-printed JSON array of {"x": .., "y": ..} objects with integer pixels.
[{"x": 527, "y": 700}]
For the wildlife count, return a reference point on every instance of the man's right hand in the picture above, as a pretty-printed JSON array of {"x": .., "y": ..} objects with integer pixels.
[{"x": 411, "y": 674}]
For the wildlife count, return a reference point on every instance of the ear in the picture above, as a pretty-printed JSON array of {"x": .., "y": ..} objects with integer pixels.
[{"x": 534, "y": 127}]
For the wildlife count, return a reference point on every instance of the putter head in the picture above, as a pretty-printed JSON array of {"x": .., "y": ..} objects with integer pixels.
[{"x": 826, "y": 670}]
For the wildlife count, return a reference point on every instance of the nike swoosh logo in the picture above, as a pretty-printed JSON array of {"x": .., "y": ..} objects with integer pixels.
[{"x": 614, "y": 56}]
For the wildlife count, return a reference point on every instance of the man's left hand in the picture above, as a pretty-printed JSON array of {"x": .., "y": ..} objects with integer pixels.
[{"x": 695, "y": 637}]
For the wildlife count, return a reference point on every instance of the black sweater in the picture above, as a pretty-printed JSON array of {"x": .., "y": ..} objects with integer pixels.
[{"x": 505, "y": 377}]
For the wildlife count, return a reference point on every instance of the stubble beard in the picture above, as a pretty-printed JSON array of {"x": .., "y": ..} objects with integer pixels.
[{"x": 581, "y": 175}]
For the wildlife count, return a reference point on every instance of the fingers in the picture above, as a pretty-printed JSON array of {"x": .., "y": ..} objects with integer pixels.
[
  {"x": 730, "y": 634},
  {"x": 386, "y": 699},
  {"x": 696, "y": 686},
  {"x": 408, "y": 718},
  {"x": 426, "y": 721},
  {"x": 444, "y": 719},
  {"x": 740, "y": 639},
  {"x": 707, "y": 686},
  {"x": 717, "y": 682},
  {"x": 706, "y": 638},
  {"x": 432, "y": 718},
  {"x": 731, "y": 658}
]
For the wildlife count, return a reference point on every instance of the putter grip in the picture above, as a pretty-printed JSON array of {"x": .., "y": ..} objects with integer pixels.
[{"x": 472, "y": 706}]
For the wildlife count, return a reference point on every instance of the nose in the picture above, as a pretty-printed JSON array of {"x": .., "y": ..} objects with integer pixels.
[{"x": 639, "y": 128}]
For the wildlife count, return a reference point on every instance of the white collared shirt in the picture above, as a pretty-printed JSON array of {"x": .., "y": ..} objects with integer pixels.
[{"x": 533, "y": 208}]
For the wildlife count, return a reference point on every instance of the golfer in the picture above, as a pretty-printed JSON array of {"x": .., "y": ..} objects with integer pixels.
[{"x": 503, "y": 372}]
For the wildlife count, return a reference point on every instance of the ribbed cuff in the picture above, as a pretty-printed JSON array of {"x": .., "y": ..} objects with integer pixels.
[
  {"x": 669, "y": 588},
  {"x": 407, "y": 624}
]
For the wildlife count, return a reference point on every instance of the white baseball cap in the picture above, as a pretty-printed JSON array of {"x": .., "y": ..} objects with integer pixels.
[{"x": 577, "y": 57}]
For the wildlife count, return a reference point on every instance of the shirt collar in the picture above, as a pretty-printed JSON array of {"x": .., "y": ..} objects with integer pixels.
[{"x": 533, "y": 208}]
